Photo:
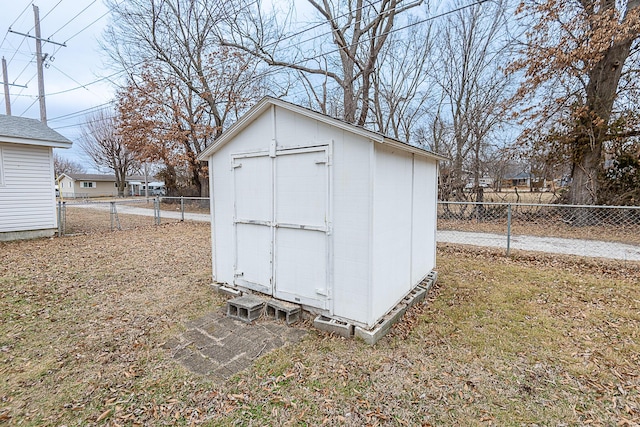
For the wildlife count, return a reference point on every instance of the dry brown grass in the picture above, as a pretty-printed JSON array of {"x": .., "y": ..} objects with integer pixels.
[{"x": 529, "y": 340}]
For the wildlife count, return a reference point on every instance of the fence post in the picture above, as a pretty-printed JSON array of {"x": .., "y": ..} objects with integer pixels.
[
  {"x": 156, "y": 210},
  {"x": 182, "y": 208},
  {"x": 508, "y": 229},
  {"x": 112, "y": 209},
  {"x": 59, "y": 218}
]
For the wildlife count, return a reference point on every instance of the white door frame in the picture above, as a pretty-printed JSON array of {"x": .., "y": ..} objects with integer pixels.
[{"x": 325, "y": 299}]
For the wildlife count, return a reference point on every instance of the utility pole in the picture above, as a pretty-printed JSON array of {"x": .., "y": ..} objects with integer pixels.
[
  {"x": 5, "y": 80},
  {"x": 39, "y": 62}
]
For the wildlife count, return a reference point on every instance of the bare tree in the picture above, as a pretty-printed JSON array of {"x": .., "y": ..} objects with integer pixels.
[
  {"x": 66, "y": 166},
  {"x": 163, "y": 120},
  {"x": 346, "y": 58},
  {"x": 469, "y": 70},
  {"x": 402, "y": 92},
  {"x": 100, "y": 140},
  {"x": 178, "y": 37}
]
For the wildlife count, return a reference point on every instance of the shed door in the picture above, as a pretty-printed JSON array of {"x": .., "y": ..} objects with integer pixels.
[
  {"x": 253, "y": 203},
  {"x": 282, "y": 224},
  {"x": 301, "y": 226}
]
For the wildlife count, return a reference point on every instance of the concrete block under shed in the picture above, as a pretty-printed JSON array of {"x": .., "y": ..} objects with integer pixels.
[
  {"x": 225, "y": 290},
  {"x": 334, "y": 326},
  {"x": 373, "y": 335},
  {"x": 246, "y": 308},
  {"x": 415, "y": 296},
  {"x": 280, "y": 310}
]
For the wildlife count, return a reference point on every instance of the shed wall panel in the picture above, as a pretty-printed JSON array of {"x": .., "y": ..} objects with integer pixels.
[
  {"x": 351, "y": 226},
  {"x": 294, "y": 130},
  {"x": 424, "y": 218},
  {"x": 392, "y": 195},
  {"x": 27, "y": 194}
]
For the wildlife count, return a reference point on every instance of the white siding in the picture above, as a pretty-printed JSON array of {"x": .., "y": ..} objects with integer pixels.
[
  {"x": 351, "y": 227},
  {"x": 392, "y": 196},
  {"x": 424, "y": 218},
  {"x": 1, "y": 168},
  {"x": 27, "y": 197}
]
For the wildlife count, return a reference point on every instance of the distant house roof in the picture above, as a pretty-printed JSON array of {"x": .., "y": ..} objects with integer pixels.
[
  {"x": 267, "y": 101},
  {"x": 521, "y": 175},
  {"x": 90, "y": 177},
  {"x": 103, "y": 177},
  {"x": 21, "y": 130}
]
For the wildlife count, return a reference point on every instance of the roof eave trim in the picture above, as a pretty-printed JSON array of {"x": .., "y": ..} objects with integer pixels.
[
  {"x": 234, "y": 129},
  {"x": 414, "y": 150},
  {"x": 38, "y": 142}
]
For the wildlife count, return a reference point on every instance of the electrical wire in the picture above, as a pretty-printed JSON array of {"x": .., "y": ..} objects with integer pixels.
[
  {"x": 14, "y": 22},
  {"x": 74, "y": 18},
  {"x": 52, "y": 9},
  {"x": 80, "y": 112}
]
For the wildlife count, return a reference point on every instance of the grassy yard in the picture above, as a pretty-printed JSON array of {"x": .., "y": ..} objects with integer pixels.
[{"x": 530, "y": 340}]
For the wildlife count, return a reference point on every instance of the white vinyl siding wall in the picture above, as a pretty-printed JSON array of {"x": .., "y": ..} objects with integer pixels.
[
  {"x": 27, "y": 195},
  {"x": 1, "y": 169}
]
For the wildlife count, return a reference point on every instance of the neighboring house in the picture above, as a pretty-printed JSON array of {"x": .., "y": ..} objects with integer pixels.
[
  {"x": 27, "y": 191},
  {"x": 525, "y": 180},
  {"x": 82, "y": 185},
  {"x": 319, "y": 212}
]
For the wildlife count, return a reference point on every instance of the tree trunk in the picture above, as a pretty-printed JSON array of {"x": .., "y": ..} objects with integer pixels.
[{"x": 592, "y": 127}]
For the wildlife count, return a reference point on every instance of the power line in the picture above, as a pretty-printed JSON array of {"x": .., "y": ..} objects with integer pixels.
[
  {"x": 80, "y": 112},
  {"x": 52, "y": 9},
  {"x": 30, "y": 105},
  {"x": 72, "y": 19},
  {"x": 13, "y": 23}
]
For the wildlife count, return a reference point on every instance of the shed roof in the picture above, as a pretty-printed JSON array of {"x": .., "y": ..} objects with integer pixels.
[
  {"x": 266, "y": 102},
  {"x": 21, "y": 130}
]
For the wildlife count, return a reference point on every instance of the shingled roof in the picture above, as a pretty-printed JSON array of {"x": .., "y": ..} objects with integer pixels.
[{"x": 21, "y": 130}]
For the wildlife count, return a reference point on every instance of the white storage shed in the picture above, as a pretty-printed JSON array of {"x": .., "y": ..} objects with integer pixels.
[
  {"x": 318, "y": 212},
  {"x": 27, "y": 187}
]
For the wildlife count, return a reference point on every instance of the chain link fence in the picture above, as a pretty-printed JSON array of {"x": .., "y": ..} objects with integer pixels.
[
  {"x": 94, "y": 216},
  {"x": 600, "y": 231},
  {"x": 604, "y": 231}
]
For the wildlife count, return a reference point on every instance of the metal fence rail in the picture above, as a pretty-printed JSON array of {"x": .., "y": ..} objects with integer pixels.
[
  {"x": 90, "y": 216},
  {"x": 619, "y": 224},
  {"x": 603, "y": 229}
]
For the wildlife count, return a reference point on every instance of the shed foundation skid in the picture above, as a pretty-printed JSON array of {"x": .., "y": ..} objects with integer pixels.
[
  {"x": 373, "y": 335},
  {"x": 227, "y": 291},
  {"x": 246, "y": 308},
  {"x": 280, "y": 310},
  {"x": 334, "y": 326}
]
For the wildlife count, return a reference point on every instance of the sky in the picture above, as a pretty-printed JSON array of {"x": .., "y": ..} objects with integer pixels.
[{"x": 74, "y": 76}]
